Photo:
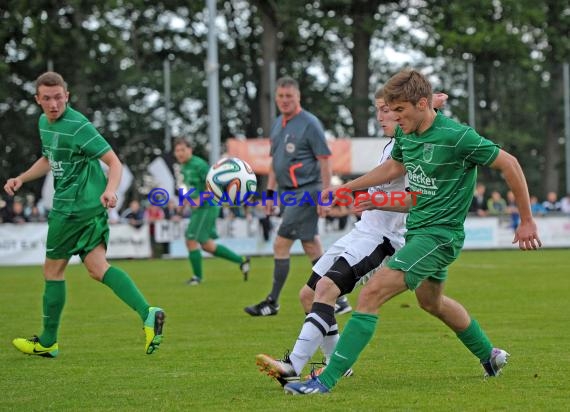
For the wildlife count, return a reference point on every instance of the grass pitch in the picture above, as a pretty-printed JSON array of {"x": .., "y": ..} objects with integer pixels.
[{"x": 207, "y": 359}]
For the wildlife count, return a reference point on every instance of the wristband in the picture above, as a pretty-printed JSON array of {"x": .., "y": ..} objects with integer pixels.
[{"x": 270, "y": 193}]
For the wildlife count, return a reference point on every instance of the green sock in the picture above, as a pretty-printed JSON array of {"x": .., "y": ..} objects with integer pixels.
[
  {"x": 225, "y": 253},
  {"x": 195, "y": 257},
  {"x": 476, "y": 341},
  {"x": 356, "y": 335},
  {"x": 124, "y": 287},
  {"x": 54, "y": 301}
]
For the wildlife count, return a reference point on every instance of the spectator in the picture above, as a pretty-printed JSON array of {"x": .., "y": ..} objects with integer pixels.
[
  {"x": 114, "y": 217},
  {"x": 264, "y": 221},
  {"x": 36, "y": 215},
  {"x": 3, "y": 211},
  {"x": 512, "y": 210},
  {"x": 479, "y": 203},
  {"x": 496, "y": 205},
  {"x": 30, "y": 203},
  {"x": 551, "y": 204},
  {"x": 17, "y": 215},
  {"x": 536, "y": 207},
  {"x": 173, "y": 212},
  {"x": 565, "y": 204},
  {"x": 153, "y": 214},
  {"x": 43, "y": 208},
  {"x": 184, "y": 210},
  {"x": 134, "y": 214}
]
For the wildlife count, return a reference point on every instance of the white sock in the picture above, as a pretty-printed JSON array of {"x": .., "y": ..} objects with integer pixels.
[
  {"x": 329, "y": 343},
  {"x": 309, "y": 340}
]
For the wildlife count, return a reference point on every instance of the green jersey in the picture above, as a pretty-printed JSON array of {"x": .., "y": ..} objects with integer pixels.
[
  {"x": 73, "y": 147},
  {"x": 194, "y": 173},
  {"x": 441, "y": 164}
]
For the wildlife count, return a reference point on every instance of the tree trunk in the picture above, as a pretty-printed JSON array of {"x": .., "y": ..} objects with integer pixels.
[
  {"x": 269, "y": 51},
  {"x": 361, "y": 75},
  {"x": 552, "y": 129}
]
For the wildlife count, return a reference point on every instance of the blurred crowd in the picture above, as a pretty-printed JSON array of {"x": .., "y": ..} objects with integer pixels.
[
  {"x": 22, "y": 210},
  {"x": 495, "y": 204},
  {"x": 26, "y": 209}
]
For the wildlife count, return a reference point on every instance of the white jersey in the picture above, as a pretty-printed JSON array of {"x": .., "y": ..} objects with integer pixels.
[
  {"x": 383, "y": 223},
  {"x": 361, "y": 244}
]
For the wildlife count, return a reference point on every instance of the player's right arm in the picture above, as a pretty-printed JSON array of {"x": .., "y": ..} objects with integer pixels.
[
  {"x": 39, "y": 169},
  {"x": 526, "y": 233}
]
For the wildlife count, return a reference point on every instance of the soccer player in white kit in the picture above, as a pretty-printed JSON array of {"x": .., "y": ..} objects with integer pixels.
[{"x": 378, "y": 234}]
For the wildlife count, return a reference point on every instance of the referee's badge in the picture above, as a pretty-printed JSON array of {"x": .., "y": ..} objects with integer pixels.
[
  {"x": 290, "y": 147},
  {"x": 428, "y": 152}
]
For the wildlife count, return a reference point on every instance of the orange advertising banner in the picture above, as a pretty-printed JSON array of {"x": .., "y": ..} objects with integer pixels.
[
  {"x": 253, "y": 151},
  {"x": 256, "y": 153},
  {"x": 341, "y": 156}
]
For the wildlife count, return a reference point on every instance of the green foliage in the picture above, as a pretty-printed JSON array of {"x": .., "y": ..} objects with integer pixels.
[
  {"x": 517, "y": 48},
  {"x": 207, "y": 360}
]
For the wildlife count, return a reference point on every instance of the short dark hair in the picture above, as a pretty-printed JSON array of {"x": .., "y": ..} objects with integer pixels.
[
  {"x": 287, "y": 81},
  {"x": 182, "y": 141},
  {"x": 50, "y": 79}
]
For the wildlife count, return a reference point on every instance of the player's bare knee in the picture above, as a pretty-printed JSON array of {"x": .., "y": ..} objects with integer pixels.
[
  {"x": 97, "y": 268},
  {"x": 282, "y": 247},
  {"x": 367, "y": 301},
  {"x": 192, "y": 244},
  {"x": 53, "y": 275},
  {"x": 432, "y": 306},
  {"x": 209, "y": 248},
  {"x": 326, "y": 289},
  {"x": 312, "y": 248}
]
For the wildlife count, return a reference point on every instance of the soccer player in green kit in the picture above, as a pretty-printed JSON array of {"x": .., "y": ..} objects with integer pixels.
[
  {"x": 440, "y": 157},
  {"x": 77, "y": 223},
  {"x": 201, "y": 230}
]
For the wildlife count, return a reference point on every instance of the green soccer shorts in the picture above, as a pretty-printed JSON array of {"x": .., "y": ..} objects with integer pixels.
[
  {"x": 69, "y": 237},
  {"x": 202, "y": 226},
  {"x": 427, "y": 254}
]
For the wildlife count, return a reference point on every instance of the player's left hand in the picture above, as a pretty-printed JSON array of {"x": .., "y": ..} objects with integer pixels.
[
  {"x": 527, "y": 236},
  {"x": 109, "y": 199}
]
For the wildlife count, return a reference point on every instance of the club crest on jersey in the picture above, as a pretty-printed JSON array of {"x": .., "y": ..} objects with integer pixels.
[{"x": 428, "y": 152}]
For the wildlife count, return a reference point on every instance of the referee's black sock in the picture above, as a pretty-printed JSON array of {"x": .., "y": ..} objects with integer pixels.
[{"x": 280, "y": 273}]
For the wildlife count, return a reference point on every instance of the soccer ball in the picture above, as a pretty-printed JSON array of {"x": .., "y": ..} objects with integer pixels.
[{"x": 231, "y": 180}]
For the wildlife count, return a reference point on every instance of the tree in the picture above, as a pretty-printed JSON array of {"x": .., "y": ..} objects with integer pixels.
[{"x": 517, "y": 47}]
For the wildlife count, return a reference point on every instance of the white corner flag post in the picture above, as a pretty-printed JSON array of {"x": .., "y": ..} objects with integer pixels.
[{"x": 212, "y": 69}]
